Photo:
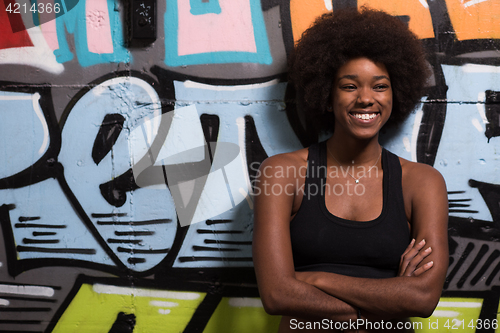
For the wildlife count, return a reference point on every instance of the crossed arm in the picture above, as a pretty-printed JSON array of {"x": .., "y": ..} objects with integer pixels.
[{"x": 317, "y": 295}]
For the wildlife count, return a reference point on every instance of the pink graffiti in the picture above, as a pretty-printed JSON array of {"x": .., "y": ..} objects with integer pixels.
[
  {"x": 98, "y": 27},
  {"x": 49, "y": 30},
  {"x": 231, "y": 30}
]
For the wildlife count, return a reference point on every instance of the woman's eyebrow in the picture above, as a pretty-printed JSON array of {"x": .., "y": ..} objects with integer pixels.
[
  {"x": 354, "y": 76},
  {"x": 348, "y": 76},
  {"x": 380, "y": 77}
]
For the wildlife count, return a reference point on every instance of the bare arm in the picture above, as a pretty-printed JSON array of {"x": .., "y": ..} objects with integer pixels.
[
  {"x": 412, "y": 293},
  {"x": 281, "y": 292}
]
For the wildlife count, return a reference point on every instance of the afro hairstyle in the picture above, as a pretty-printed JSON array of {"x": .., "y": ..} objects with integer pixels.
[{"x": 334, "y": 39}]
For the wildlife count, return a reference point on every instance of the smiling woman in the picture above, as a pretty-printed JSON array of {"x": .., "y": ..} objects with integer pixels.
[
  {"x": 365, "y": 245},
  {"x": 361, "y": 98}
]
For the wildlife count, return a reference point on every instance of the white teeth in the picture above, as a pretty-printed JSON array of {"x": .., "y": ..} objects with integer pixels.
[{"x": 365, "y": 116}]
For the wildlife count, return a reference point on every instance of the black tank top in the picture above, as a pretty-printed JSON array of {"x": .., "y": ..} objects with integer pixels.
[{"x": 324, "y": 242}]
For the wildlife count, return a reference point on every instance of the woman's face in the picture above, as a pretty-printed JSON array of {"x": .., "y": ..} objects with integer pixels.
[{"x": 361, "y": 98}]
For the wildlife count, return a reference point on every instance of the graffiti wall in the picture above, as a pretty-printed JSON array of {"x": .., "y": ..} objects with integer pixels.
[{"x": 127, "y": 133}]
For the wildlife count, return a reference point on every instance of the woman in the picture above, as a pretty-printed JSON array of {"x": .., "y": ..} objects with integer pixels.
[{"x": 362, "y": 235}]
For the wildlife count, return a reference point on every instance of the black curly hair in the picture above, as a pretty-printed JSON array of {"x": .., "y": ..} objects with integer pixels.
[{"x": 334, "y": 39}]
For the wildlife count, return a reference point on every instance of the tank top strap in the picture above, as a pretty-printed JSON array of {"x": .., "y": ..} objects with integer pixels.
[
  {"x": 316, "y": 173},
  {"x": 394, "y": 181}
]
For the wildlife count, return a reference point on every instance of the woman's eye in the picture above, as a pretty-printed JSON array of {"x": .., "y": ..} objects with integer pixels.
[
  {"x": 349, "y": 87},
  {"x": 381, "y": 87}
]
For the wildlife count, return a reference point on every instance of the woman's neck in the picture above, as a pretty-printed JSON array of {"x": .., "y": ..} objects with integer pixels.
[{"x": 346, "y": 150}]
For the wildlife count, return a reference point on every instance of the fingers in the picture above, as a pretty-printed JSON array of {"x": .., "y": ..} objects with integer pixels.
[
  {"x": 412, "y": 257},
  {"x": 408, "y": 248},
  {"x": 410, "y": 252},
  {"x": 423, "y": 269},
  {"x": 412, "y": 265},
  {"x": 402, "y": 265}
]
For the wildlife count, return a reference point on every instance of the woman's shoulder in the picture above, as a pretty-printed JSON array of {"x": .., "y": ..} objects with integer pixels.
[
  {"x": 420, "y": 177},
  {"x": 294, "y": 158},
  {"x": 284, "y": 162}
]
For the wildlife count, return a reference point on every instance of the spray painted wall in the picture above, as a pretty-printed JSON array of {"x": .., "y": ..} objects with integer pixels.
[{"x": 93, "y": 233}]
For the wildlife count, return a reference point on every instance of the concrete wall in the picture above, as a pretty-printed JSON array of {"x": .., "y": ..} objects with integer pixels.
[{"x": 87, "y": 245}]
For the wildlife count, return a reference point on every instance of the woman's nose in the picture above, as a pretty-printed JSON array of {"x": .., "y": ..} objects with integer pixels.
[{"x": 365, "y": 96}]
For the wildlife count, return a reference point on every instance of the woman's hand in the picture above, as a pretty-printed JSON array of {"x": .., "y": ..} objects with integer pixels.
[{"x": 412, "y": 257}]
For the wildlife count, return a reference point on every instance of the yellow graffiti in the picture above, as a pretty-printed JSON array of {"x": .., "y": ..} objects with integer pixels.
[
  {"x": 474, "y": 19},
  {"x": 156, "y": 311},
  {"x": 418, "y": 11},
  {"x": 304, "y": 12},
  {"x": 452, "y": 315},
  {"x": 242, "y": 315}
]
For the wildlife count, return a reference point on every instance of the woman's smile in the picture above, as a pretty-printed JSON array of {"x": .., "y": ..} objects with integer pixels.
[{"x": 364, "y": 117}]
